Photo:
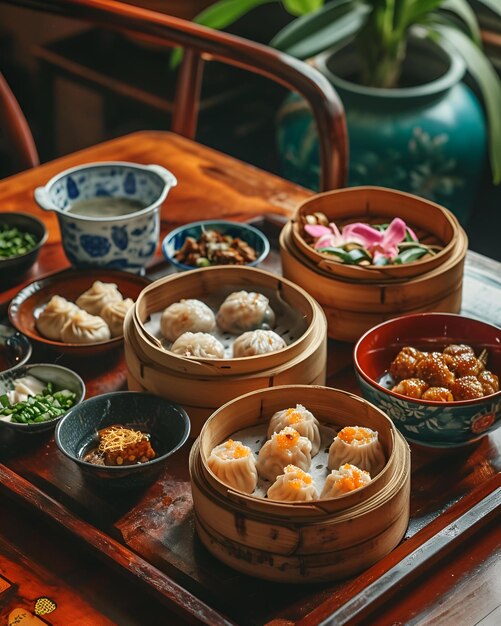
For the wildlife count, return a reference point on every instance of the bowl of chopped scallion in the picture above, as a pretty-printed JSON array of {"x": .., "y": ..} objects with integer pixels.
[
  {"x": 34, "y": 397},
  {"x": 21, "y": 238}
]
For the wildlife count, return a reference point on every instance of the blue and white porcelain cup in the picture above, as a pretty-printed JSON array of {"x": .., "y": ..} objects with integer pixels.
[{"x": 126, "y": 242}]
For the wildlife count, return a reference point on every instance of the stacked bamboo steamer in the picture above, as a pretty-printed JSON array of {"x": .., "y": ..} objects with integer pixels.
[
  {"x": 356, "y": 298},
  {"x": 311, "y": 541},
  {"x": 203, "y": 385}
]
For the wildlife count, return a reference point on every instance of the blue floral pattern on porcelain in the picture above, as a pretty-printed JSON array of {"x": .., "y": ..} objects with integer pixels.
[
  {"x": 128, "y": 241},
  {"x": 436, "y": 426}
]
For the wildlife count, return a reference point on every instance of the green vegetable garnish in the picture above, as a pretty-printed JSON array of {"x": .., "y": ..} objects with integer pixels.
[
  {"x": 44, "y": 406},
  {"x": 13, "y": 242}
]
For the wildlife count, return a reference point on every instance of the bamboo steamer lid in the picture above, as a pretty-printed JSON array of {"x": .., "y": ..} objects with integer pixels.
[
  {"x": 432, "y": 223},
  {"x": 298, "y": 542},
  {"x": 352, "y": 307},
  {"x": 203, "y": 283}
]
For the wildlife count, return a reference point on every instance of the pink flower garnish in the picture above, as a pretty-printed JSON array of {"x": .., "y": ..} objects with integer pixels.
[{"x": 378, "y": 243}]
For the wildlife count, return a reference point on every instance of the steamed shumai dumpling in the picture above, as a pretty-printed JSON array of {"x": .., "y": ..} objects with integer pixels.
[
  {"x": 54, "y": 316},
  {"x": 235, "y": 465},
  {"x": 243, "y": 311},
  {"x": 344, "y": 480},
  {"x": 301, "y": 420},
  {"x": 255, "y": 342},
  {"x": 200, "y": 345},
  {"x": 114, "y": 314},
  {"x": 82, "y": 327},
  {"x": 284, "y": 448},
  {"x": 94, "y": 299},
  {"x": 293, "y": 485},
  {"x": 359, "y": 446},
  {"x": 186, "y": 316}
]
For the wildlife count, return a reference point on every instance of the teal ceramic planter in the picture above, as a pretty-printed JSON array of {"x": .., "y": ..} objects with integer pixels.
[{"x": 429, "y": 138}]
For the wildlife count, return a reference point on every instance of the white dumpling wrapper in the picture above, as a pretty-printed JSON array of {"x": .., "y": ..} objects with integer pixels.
[
  {"x": 255, "y": 342},
  {"x": 243, "y": 311},
  {"x": 342, "y": 481},
  {"x": 114, "y": 314},
  {"x": 100, "y": 294},
  {"x": 294, "y": 485},
  {"x": 186, "y": 316},
  {"x": 54, "y": 316},
  {"x": 364, "y": 451},
  {"x": 82, "y": 327},
  {"x": 199, "y": 345},
  {"x": 301, "y": 420},
  {"x": 284, "y": 448},
  {"x": 235, "y": 465}
]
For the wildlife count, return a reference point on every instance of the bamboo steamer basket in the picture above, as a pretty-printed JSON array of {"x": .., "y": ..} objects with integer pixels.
[
  {"x": 301, "y": 541},
  {"x": 432, "y": 223},
  {"x": 354, "y": 306},
  {"x": 197, "y": 384}
]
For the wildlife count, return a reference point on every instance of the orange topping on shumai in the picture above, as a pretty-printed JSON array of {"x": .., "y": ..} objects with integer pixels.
[
  {"x": 300, "y": 480},
  {"x": 354, "y": 478},
  {"x": 293, "y": 416},
  {"x": 236, "y": 450},
  {"x": 356, "y": 435},
  {"x": 286, "y": 438}
]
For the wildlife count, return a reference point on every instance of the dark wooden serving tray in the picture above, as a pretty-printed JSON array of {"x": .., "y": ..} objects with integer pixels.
[{"x": 150, "y": 535}]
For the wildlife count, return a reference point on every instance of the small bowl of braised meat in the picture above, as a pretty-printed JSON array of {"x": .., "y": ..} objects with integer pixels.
[
  {"x": 435, "y": 374},
  {"x": 123, "y": 439},
  {"x": 215, "y": 242}
]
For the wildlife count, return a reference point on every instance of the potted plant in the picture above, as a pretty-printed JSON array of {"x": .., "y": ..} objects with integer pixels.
[{"x": 398, "y": 66}]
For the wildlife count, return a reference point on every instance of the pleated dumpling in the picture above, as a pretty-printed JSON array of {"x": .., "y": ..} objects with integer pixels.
[
  {"x": 54, "y": 316},
  {"x": 293, "y": 485},
  {"x": 255, "y": 342},
  {"x": 243, "y": 311},
  {"x": 189, "y": 315},
  {"x": 114, "y": 314},
  {"x": 301, "y": 420},
  {"x": 344, "y": 480},
  {"x": 82, "y": 327},
  {"x": 94, "y": 299},
  {"x": 358, "y": 446},
  {"x": 284, "y": 448},
  {"x": 235, "y": 465},
  {"x": 200, "y": 345}
]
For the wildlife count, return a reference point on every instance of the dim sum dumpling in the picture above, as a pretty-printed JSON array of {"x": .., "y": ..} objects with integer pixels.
[
  {"x": 94, "y": 299},
  {"x": 201, "y": 345},
  {"x": 359, "y": 446},
  {"x": 114, "y": 314},
  {"x": 186, "y": 316},
  {"x": 243, "y": 311},
  {"x": 284, "y": 448},
  {"x": 82, "y": 327},
  {"x": 293, "y": 485},
  {"x": 301, "y": 420},
  {"x": 344, "y": 480},
  {"x": 235, "y": 465},
  {"x": 54, "y": 316},
  {"x": 257, "y": 342}
]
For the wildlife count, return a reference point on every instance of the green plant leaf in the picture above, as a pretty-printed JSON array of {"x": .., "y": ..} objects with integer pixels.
[
  {"x": 225, "y": 12},
  {"x": 489, "y": 84},
  {"x": 416, "y": 10},
  {"x": 493, "y": 5},
  {"x": 462, "y": 10},
  {"x": 314, "y": 33},
  {"x": 302, "y": 7}
]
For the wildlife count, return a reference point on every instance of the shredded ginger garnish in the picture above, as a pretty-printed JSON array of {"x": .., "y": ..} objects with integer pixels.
[{"x": 117, "y": 438}]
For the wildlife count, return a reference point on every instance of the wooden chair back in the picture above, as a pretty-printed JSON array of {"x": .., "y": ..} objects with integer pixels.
[{"x": 202, "y": 44}]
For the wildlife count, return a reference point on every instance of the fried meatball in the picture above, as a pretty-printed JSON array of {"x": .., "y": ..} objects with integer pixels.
[
  {"x": 489, "y": 382},
  {"x": 404, "y": 364},
  {"x": 438, "y": 394},
  {"x": 411, "y": 387},
  {"x": 455, "y": 349},
  {"x": 432, "y": 368},
  {"x": 467, "y": 388},
  {"x": 464, "y": 364}
]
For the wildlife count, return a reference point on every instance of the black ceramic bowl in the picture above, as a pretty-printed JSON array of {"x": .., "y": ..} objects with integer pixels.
[
  {"x": 62, "y": 377},
  {"x": 12, "y": 268},
  {"x": 166, "y": 422},
  {"x": 15, "y": 348}
]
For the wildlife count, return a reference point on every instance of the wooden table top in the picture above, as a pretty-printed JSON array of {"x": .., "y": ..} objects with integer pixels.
[{"x": 148, "y": 539}]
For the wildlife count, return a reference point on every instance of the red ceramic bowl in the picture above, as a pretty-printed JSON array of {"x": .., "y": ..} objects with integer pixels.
[{"x": 436, "y": 424}]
